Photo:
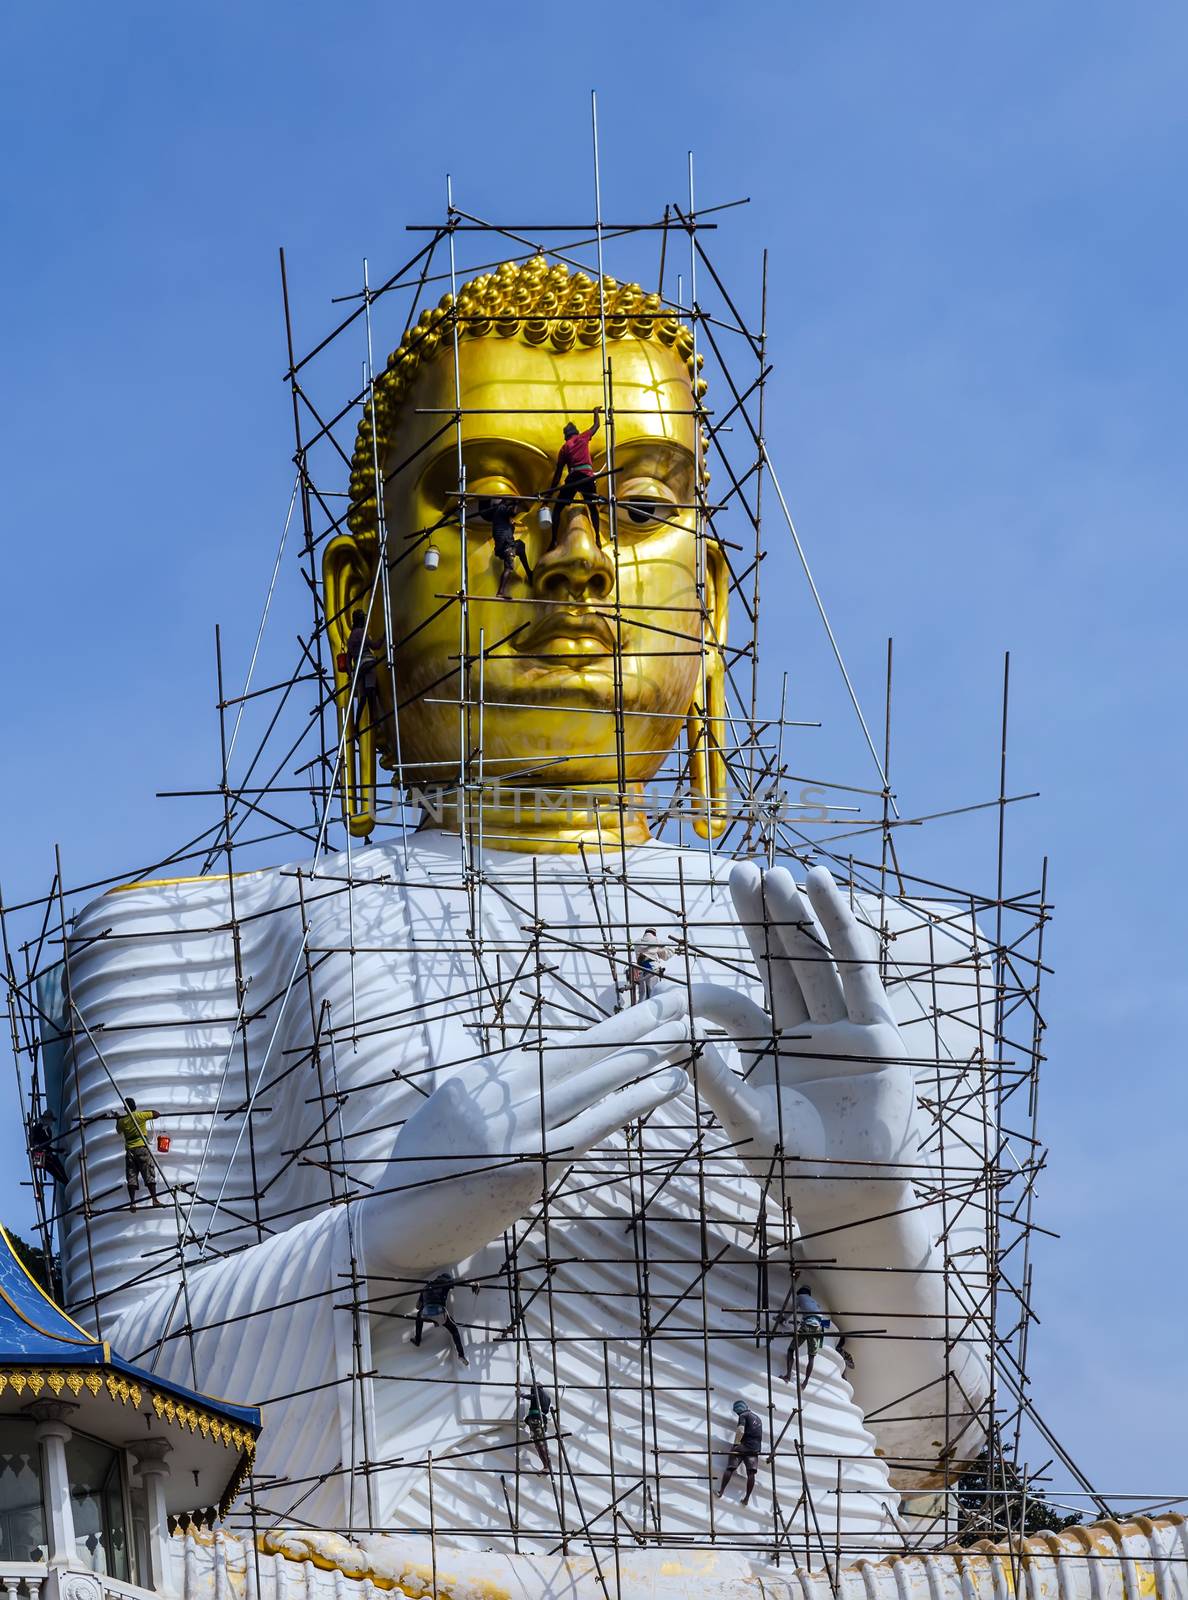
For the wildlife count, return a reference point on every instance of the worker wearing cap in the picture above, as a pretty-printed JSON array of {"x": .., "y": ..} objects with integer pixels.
[
  {"x": 573, "y": 459},
  {"x": 748, "y": 1442},
  {"x": 43, "y": 1150},
  {"x": 132, "y": 1126},
  {"x": 809, "y": 1323}
]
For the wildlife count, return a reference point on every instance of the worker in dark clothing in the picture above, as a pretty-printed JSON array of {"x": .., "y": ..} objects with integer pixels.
[
  {"x": 433, "y": 1307},
  {"x": 501, "y": 513},
  {"x": 748, "y": 1442},
  {"x": 362, "y": 653},
  {"x": 536, "y": 1420},
  {"x": 132, "y": 1126},
  {"x": 574, "y": 458},
  {"x": 41, "y": 1148}
]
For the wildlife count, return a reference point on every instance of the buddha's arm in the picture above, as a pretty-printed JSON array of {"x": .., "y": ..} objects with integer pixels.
[
  {"x": 470, "y": 1161},
  {"x": 287, "y": 1285}
]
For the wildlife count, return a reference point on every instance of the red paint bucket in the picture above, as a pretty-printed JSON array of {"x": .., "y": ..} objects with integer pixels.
[{"x": 163, "y": 1143}]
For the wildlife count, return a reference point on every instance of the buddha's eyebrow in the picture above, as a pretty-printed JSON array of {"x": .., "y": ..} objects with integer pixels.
[
  {"x": 487, "y": 456},
  {"x": 673, "y": 461}
]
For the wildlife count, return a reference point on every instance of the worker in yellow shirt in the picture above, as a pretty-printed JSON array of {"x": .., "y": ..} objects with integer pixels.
[{"x": 138, "y": 1163}]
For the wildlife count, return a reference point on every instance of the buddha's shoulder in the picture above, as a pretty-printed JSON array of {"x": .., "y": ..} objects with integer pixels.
[
  {"x": 161, "y": 901},
  {"x": 210, "y": 899},
  {"x": 424, "y": 872}
]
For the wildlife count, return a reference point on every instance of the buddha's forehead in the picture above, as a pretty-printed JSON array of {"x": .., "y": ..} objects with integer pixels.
[{"x": 526, "y": 393}]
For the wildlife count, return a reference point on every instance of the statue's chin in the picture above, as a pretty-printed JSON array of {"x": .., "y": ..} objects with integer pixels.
[
  {"x": 551, "y": 723},
  {"x": 591, "y": 676}
]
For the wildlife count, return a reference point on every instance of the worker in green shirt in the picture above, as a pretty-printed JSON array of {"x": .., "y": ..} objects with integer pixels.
[{"x": 138, "y": 1163}]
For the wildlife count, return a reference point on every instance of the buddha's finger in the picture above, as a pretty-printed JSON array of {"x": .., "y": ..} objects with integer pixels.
[
  {"x": 582, "y": 1133},
  {"x": 857, "y": 962},
  {"x": 780, "y": 988},
  {"x": 803, "y": 945},
  {"x": 629, "y": 1026},
  {"x": 520, "y": 1079},
  {"x": 579, "y": 1091}
]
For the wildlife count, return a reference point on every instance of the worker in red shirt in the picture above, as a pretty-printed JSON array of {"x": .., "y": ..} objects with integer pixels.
[{"x": 574, "y": 454}]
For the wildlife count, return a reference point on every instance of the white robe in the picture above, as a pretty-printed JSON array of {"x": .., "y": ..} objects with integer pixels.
[{"x": 441, "y": 972}]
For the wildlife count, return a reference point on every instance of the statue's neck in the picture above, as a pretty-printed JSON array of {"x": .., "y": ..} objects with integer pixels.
[{"x": 542, "y": 821}]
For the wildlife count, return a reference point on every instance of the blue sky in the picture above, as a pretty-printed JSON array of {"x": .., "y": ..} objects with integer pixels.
[{"x": 977, "y": 237}]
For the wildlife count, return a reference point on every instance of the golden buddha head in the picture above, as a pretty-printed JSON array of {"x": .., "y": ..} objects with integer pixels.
[{"x": 585, "y": 673}]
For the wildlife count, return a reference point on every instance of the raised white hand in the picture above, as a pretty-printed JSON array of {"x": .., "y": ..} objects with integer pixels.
[
  {"x": 477, "y": 1154},
  {"x": 825, "y": 1116},
  {"x": 826, "y": 1077}
]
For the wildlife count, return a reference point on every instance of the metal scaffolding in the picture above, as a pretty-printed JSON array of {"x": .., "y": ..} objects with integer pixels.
[{"x": 302, "y": 776}]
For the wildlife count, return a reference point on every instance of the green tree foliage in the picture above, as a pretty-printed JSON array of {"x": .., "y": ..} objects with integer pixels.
[
  {"x": 996, "y": 1503},
  {"x": 42, "y": 1268}
]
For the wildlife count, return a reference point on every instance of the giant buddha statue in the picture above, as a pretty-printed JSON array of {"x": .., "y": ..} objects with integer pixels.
[{"x": 443, "y": 1070}]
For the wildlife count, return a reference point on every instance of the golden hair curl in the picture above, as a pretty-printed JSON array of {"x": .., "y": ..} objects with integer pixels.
[{"x": 541, "y": 303}]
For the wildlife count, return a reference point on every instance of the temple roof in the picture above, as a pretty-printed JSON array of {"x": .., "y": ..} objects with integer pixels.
[{"x": 44, "y": 1354}]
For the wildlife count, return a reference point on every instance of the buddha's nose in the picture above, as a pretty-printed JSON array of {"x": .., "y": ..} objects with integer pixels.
[{"x": 576, "y": 567}]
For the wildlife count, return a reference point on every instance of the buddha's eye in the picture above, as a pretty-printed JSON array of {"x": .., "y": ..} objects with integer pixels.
[
  {"x": 641, "y": 511},
  {"x": 481, "y": 491},
  {"x": 491, "y": 484},
  {"x": 646, "y": 503}
]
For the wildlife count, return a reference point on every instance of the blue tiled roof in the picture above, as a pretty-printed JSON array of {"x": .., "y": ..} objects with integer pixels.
[
  {"x": 34, "y": 1331},
  {"x": 32, "y": 1327}
]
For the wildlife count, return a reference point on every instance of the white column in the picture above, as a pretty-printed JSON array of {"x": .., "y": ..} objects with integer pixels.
[
  {"x": 52, "y": 1432},
  {"x": 151, "y": 1459}
]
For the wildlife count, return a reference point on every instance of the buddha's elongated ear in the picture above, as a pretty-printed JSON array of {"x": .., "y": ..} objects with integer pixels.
[
  {"x": 706, "y": 730},
  {"x": 348, "y": 576},
  {"x": 348, "y": 584}
]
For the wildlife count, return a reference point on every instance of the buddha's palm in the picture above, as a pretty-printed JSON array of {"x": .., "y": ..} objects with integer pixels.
[
  {"x": 826, "y": 1082},
  {"x": 483, "y": 1147}
]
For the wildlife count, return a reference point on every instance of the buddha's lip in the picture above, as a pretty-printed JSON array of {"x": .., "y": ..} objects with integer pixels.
[{"x": 573, "y": 624}]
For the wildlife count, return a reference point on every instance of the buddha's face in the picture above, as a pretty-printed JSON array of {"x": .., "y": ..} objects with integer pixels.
[{"x": 594, "y": 623}]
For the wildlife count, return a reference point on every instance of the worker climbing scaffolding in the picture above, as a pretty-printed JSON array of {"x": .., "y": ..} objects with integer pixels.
[
  {"x": 573, "y": 459},
  {"x": 132, "y": 1125},
  {"x": 501, "y": 512},
  {"x": 433, "y": 1307},
  {"x": 536, "y": 1420},
  {"x": 748, "y": 1442},
  {"x": 42, "y": 1149},
  {"x": 809, "y": 1326},
  {"x": 362, "y": 660},
  {"x": 647, "y": 965}
]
